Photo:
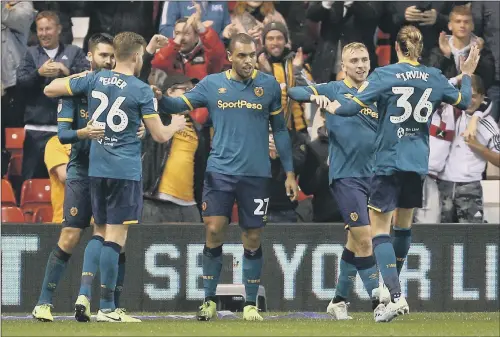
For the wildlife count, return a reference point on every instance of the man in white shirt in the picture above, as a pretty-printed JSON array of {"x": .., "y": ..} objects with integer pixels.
[{"x": 459, "y": 183}]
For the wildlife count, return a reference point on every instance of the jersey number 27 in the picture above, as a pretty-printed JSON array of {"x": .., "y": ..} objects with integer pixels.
[
  {"x": 402, "y": 102},
  {"x": 113, "y": 111}
]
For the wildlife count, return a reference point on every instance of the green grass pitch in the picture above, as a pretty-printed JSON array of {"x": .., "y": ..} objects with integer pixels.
[{"x": 415, "y": 324}]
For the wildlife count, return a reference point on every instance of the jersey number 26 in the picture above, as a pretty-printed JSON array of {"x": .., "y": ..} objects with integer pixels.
[
  {"x": 113, "y": 111},
  {"x": 402, "y": 102}
]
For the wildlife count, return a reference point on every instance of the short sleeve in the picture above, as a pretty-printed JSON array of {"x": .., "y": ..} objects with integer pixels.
[
  {"x": 198, "y": 96},
  {"x": 80, "y": 84},
  {"x": 369, "y": 91},
  {"x": 65, "y": 110},
  {"x": 55, "y": 154},
  {"x": 275, "y": 106},
  {"x": 148, "y": 103}
]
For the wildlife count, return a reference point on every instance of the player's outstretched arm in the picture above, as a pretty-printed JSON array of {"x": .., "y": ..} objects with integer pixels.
[
  {"x": 316, "y": 94},
  {"x": 347, "y": 109},
  {"x": 61, "y": 87},
  {"x": 195, "y": 98},
  {"x": 162, "y": 133}
]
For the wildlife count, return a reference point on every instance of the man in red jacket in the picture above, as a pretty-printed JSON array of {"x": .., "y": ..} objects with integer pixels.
[{"x": 195, "y": 51}]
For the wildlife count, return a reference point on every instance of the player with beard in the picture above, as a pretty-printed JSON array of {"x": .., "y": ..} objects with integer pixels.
[
  {"x": 241, "y": 103},
  {"x": 73, "y": 129},
  {"x": 118, "y": 101}
]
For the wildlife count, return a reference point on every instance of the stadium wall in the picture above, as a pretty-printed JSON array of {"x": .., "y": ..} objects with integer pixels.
[{"x": 449, "y": 268}]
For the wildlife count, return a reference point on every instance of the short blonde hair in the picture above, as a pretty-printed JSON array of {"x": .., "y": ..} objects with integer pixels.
[
  {"x": 410, "y": 41},
  {"x": 461, "y": 10},
  {"x": 353, "y": 46},
  {"x": 126, "y": 44}
]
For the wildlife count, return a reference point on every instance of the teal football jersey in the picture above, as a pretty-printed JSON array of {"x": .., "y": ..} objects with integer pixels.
[
  {"x": 406, "y": 94},
  {"x": 240, "y": 115},
  {"x": 351, "y": 140},
  {"x": 117, "y": 102}
]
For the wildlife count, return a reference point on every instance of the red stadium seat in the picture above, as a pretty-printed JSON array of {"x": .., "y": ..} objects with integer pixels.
[
  {"x": 34, "y": 193},
  {"x": 12, "y": 214},
  {"x": 15, "y": 166},
  {"x": 14, "y": 139},
  {"x": 8, "y": 197},
  {"x": 43, "y": 214}
]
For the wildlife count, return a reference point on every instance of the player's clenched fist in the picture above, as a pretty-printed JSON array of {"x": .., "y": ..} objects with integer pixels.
[
  {"x": 178, "y": 122},
  {"x": 320, "y": 100}
]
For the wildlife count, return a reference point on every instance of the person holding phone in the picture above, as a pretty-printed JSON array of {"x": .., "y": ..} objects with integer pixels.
[{"x": 430, "y": 17}]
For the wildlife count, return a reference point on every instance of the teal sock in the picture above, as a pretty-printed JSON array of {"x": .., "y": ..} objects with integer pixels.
[
  {"x": 212, "y": 265},
  {"x": 58, "y": 260},
  {"x": 401, "y": 243},
  {"x": 368, "y": 272},
  {"x": 108, "y": 266},
  {"x": 386, "y": 260},
  {"x": 346, "y": 278},
  {"x": 252, "y": 268},
  {"x": 120, "y": 279},
  {"x": 90, "y": 264}
]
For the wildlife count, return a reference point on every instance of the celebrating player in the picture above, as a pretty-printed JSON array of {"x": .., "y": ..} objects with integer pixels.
[
  {"x": 406, "y": 94},
  {"x": 241, "y": 103},
  {"x": 351, "y": 160},
  {"x": 117, "y": 100},
  {"x": 72, "y": 121}
]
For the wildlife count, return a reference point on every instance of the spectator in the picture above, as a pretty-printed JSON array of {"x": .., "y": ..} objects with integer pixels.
[
  {"x": 314, "y": 179},
  {"x": 57, "y": 159},
  {"x": 441, "y": 135},
  {"x": 453, "y": 48},
  {"x": 487, "y": 25},
  {"x": 459, "y": 184},
  {"x": 280, "y": 208},
  {"x": 114, "y": 17},
  {"x": 301, "y": 30},
  {"x": 342, "y": 22},
  {"x": 431, "y": 17},
  {"x": 17, "y": 17},
  {"x": 250, "y": 17},
  {"x": 195, "y": 51},
  {"x": 289, "y": 70},
  {"x": 64, "y": 10},
  {"x": 173, "y": 172},
  {"x": 215, "y": 11},
  {"x": 39, "y": 66}
]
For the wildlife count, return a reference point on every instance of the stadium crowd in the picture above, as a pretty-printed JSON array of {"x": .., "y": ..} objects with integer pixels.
[{"x": 299, "y": 43}]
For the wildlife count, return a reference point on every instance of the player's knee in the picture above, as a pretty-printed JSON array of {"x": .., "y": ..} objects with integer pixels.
[
  {"x": 364, "y": 245},
  {"x": 251, "y": 238},
  {"x": 69, "y": 238},
  {"x": 214, "y": 227}
]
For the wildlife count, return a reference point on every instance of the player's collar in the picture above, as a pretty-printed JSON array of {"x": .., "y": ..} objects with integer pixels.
[
  {"x": 346, "y": 82},
  {"x": 229, "y": 77},
  {"x": 413, "y": 63}
]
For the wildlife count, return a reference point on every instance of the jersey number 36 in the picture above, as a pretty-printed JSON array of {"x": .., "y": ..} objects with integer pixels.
[
  {"x": 113, "y": 111},
  {"x": 402, "y": 102}
]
